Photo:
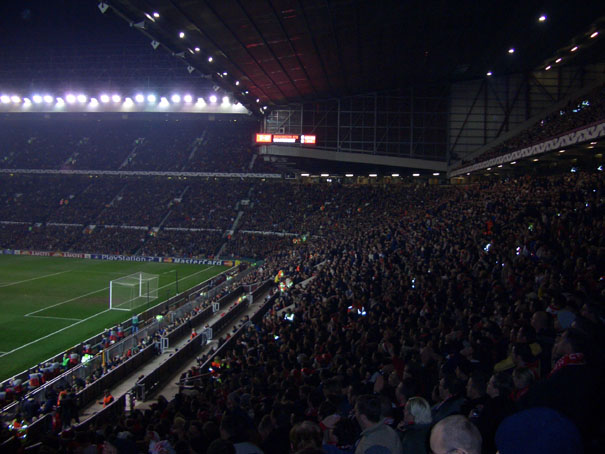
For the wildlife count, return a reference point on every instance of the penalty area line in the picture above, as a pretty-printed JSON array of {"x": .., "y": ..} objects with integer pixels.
[{"x": 51, "y": 334}]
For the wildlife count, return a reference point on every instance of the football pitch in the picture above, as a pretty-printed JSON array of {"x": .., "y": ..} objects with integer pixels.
[{"x": 49, "y": 304}]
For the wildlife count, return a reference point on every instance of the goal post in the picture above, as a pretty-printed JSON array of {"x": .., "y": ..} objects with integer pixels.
[{"x": 135, "y": 290}]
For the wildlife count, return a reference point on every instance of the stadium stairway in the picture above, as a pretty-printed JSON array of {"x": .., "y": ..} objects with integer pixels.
[{"x": 172, "y": 388}]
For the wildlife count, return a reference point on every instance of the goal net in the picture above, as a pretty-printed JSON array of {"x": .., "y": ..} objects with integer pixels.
[{"x": 135, "y": 290}]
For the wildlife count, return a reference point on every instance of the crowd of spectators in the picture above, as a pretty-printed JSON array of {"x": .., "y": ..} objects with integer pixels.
[
  {"x": 483, "y": 301},
  {"x": 580, "y": 112},
  {"x": 256, "y": 245},
  {"x": 113, "y": 143}
]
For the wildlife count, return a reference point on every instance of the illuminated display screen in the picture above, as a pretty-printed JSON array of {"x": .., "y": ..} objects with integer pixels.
[{"x": 285, "y": 138}]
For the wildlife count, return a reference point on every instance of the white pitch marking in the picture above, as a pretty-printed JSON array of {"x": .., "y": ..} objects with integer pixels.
[
  {"x": 33, "y": 279},
  {"x": 52, "y": 334},
  {"x": 55, "y": 318}
]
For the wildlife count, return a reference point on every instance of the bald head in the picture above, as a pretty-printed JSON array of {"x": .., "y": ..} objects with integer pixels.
[{"x": 455, "y": 433}]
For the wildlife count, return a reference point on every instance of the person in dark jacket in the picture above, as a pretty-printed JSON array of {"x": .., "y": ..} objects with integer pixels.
[{"x": 416, "y": 426}]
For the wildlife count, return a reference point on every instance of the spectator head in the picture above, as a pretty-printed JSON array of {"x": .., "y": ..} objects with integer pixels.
[
  {"x": 219, "y": 446},
  {"x": 306, "y": 434},
  {"x": 417, "y": 411},
  {"x": 564, "y": 319},
  {"x": 570, "y": 341},
  {"x": 522, "y": 354},
  {"x": 538, "y": 429},
  {"x": 476, "y": 386},
  {"x": 450, "y": 386},
  {"x": 522, "y": 377},
  {"x": 367, "y": 411},
  {"x": 455, "y": 434},
  {"x": 540, "y": 321},
  {"x": 500, "y": 384}
]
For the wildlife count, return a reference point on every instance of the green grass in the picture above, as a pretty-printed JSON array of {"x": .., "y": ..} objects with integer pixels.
[{"x": 70, "y": 298}]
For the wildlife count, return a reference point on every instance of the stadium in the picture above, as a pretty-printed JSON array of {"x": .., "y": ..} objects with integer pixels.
[{"x": 291, "y": 226}]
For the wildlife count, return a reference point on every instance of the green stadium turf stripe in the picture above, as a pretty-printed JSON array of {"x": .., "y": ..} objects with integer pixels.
[
  {"x": 66, "y": 301},
  {"x": 52, "y": 334},
  {"x": 34, "y": 278}
]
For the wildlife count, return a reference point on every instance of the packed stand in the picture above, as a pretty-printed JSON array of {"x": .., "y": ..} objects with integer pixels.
[
  {"x": 136, "y": 143},
  {"x": 578, "y": 113},
  {"x": 484, "y": 302},
  {"x": 211, "y": 203}
]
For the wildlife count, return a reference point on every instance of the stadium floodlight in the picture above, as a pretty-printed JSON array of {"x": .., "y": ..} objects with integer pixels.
[
  {"x": 257, "y": 100},
  {"x": 37, "y": 99},
  {"x": 594, "y": 35},
  {"x": 128, "y": 102},
  {"x": 188, "y": 99},
  {"x": 116, "y": 98},
  {"x": 197, "y": 49},
  {"x": 574, "y": 48},
  {"x": 558, "y": 60},
  {"x": 200, "y": 101},
  {"x": 489, "y": 73},
  {"x": 542, "y": 18},
  {"x": 164, "y": 102},
  {"x": 5, "y": 99},
  {"x": 156, "y": 14},
  {"x": 130, "y": 292},
  {"x": 81, "y": 98},
  {"x": 511, "y": 50},
  {"x": 93, "y": 102},
  {"x": 415, "y": 174},
  {"x": 59, "y": 102},
  {"x": 435, "y": 174},
  {"x": 210, "y": 59},
  {"x": 48, "y": 99},
  {"x": 225, "y": 73},
  {"x": 139, "y": 98},
  {"x": 212, "y": 99},
  {"x": 70, "y": 98},
  {"x": 226, "y": 100},
  {"x": 182, "y": 35},
  {"x": 151, "y": 99},
  {"x": 104, "y": 98},
  {"x": 15, "y": 99},
  {"x": 175, "y": 98},
  {"x": 237, "y": 82},
  {"x": 547, "y": 68},
  {"x": 148, "y": 16},
  {"x": 513, "y": 163}
]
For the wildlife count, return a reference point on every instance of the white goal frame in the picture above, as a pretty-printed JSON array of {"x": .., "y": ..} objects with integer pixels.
[{"x": 129, "y": 292}]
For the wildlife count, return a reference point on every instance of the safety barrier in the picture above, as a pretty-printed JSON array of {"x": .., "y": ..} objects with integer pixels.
[{"x": 158, "y": 377}]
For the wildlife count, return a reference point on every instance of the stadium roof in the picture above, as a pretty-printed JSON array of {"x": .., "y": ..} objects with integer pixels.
[{"x": 285, "y": 51}]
